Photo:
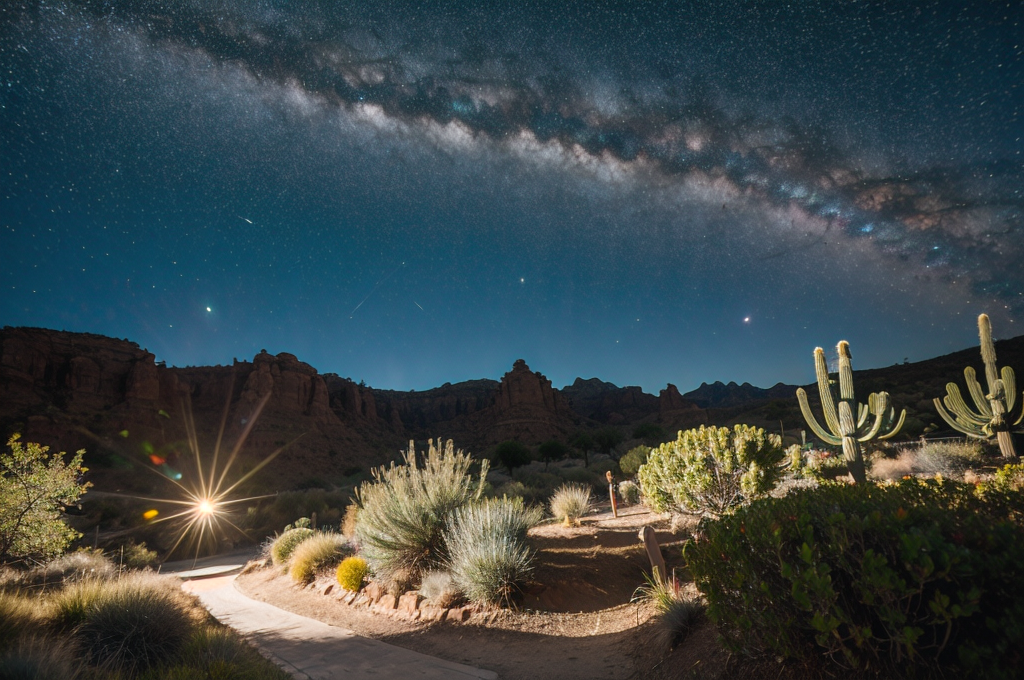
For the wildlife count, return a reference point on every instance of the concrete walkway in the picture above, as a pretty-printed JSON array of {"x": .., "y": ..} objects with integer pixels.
[{"x": 307, "y": 648}]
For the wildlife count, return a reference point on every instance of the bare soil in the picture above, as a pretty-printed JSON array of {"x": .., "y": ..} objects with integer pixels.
[{"x": 576, "y": 620}]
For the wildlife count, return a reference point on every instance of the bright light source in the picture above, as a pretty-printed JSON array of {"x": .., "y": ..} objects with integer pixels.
[{"x": 204, "y": 507}]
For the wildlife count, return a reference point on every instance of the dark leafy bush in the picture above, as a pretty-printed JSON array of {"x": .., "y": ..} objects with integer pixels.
[
  {"x": 634, "y": 458},
  {"x": 901, "y": 579}
]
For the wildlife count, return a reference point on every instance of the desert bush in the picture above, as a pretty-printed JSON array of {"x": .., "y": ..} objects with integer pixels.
[
  {"x": 825, "y": 465},
  {"x": 489, "y": 559},
  {"x": 136, "y": 622},
  {"x": 403, "y": 512},
  {"x": 439, "y": 589},
  {"x": 137, "y": 555},
  {"x": 32, "y": 657},
  {"x": 680, "y": 617},
  {"x": 629, "y": 492},
  {"x": 284, "y": 545},
  {"x": 570, "y": 502},
  {"x": 35, "y": 486},
  {"x": 320, "y": 551},
  {"x": 711, "y": 470},
  {"x": 900, "y": 579},
  {"x": 512, "y": 454},
  {"x": 584, "y": 476},
  {"x": 348, "y": 523},
  {"x": 351, "y": 573},
  {"x": 634, "y": 458}
]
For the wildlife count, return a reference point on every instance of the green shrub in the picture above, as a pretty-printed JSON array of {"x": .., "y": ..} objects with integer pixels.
[
  {"x": 512, "y": 454},
  {"x": 439, "y": 589},
  {"x": 711, "y": 470},
  {"x": 570, "y": 502},
  {"x": 320, "y": 551},
  {"x": 136, "y": 622},
  {"x": 137, "y": 555},
  {"x": 400, "y": 526},
  {"x": 634, "y": 458},
  {"x": 489, "y": 558},
  {"x": 906, "y": 578},
  {"x": 352, "y": 573},
  {"x": 629, "y": 492},
  {"x": 284, "y": 545}
]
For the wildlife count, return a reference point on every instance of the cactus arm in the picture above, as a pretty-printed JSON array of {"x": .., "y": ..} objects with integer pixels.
[
  {"x": 1010, "y": 385},
  {"x": 977, "y": 394},
  {"x": 1019, "y": 419},
  {"x": 862, "y": 415},
  {"x": 818, "y": 430},
  {"x": 845, "y": 372},
  {"x": 988, "y": 350},
  {"x": 828, "y": 405},
  {"x": 955, "y": 423},
  {"x": 895, "y": 430},
  {"x": 878, "y": 404},
  {"x": 956, "y": 404}
]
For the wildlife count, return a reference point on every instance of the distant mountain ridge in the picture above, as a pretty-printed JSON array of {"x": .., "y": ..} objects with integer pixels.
[{"x": 731, "y": 395}]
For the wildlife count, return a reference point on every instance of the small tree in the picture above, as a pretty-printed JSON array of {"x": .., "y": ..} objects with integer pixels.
[
  {"x": 552, "y": 450},
  {"x": 35, "y": 487},
  {"x": 582, "y": 444},
  {"x": 511, "y": 454},
  {"x": 634, "y": 458},
  {"x": 606, "y": 439}
]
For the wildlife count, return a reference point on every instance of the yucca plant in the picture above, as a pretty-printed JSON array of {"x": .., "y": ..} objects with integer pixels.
[
  {"x": 404, "y": 510},
  {"x": 993, "y": 409},
  {"x": 489, "y": 558},
  {"x": 848, "y": 423}
]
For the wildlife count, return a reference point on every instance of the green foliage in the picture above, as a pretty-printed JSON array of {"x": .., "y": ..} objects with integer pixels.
[
  {"x": 284, "y": 545},
  {"x": 137, "y": 555},
  {"x": 711, "y": 470},
  {"x": 352, "y": 572},
  {"x": 489, "y": 559},
  {"x": 570, "y": 502},
  {"x": 35, "y": 486},
  {"x": 991, "y": 419},
  {"x": 848, "y": 424},
  {"x": 634, "y": 458},
  {"x": 318, "y": 552},
  {"x": 552, "y": 450},
  {"x": 511, "y": 454},
  {"x": 607, "y": 438},
  {"x": 895, "y": 579},
  {"x": 136, "y": 622},
  {"x": 400, "y": 527},
  {"x": 582, "y": 444},
  {"x": 1008, "y": 479},
  {"x": 629, "y": 492},
  {"x": 649, "y": 432}
]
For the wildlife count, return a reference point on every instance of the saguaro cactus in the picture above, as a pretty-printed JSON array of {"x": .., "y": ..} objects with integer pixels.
[
  {"x": 843, "y": 427},
  {"x": 992, "y": 417}
]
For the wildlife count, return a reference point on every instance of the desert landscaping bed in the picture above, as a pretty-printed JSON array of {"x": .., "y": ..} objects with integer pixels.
[{"x": 575, "y": 619}]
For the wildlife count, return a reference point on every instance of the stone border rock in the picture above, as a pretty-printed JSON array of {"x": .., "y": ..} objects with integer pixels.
[{"x": 410, "y": 606}]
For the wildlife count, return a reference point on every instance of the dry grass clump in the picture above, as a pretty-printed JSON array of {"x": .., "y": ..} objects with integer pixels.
[
  {"x": 570, "y": 502},
  {"x": 351, "y": 573},
  {"x": 950, "y": 459},
  {"x": 33, "y": 656},
  {"x": 319, "y": 552},
  {"x": 677, "y": 614},
  {"x": 439, "y": 589}
]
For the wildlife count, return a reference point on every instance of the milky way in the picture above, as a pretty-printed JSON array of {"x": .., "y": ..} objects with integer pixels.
[{"x": 679, "y": 192}]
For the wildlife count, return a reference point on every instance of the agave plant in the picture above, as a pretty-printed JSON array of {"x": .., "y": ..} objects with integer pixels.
[
  {"x": 843, "y": 427},
  {"x": 993, "y": 414}
]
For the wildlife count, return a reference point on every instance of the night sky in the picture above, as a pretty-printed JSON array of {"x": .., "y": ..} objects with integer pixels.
[{"x": 412, "y": 194}]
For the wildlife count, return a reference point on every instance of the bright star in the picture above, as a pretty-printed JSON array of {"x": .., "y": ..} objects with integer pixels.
[
  {"x": 208, "y": 309},
  {"x": 746, "y": 319}
]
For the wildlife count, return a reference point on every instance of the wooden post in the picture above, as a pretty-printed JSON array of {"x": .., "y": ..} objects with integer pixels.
[
  {"x": 611, "y": 493},
  {"x": 654, "y": 553}
]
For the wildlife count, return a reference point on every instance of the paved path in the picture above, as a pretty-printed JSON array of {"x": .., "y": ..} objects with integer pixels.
[{"x": 307, "y": 648}]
